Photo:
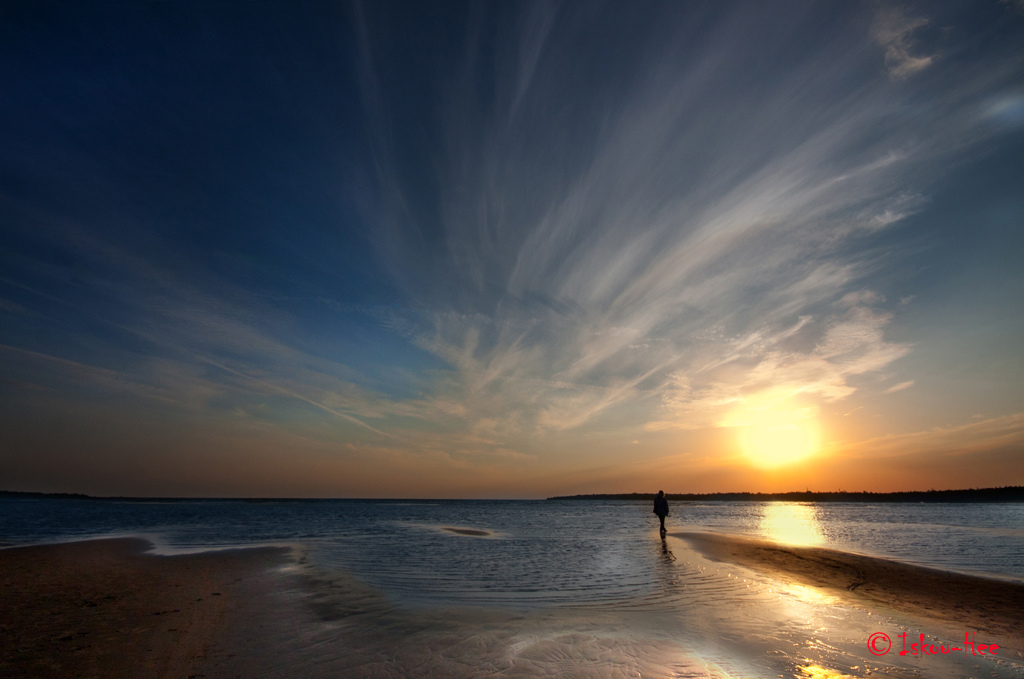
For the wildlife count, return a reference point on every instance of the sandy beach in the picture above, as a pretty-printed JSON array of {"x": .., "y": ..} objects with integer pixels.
[
  {"x": 982, "y": 604},
  {"x": 105, "y": 608},
  {"x": 108, "y": 608}
]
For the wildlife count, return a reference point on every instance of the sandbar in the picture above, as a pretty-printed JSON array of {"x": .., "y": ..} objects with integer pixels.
[
  {"x": 982, "y": 604},
  {"x": 472, "y": 532},
  {"x": 106, "y": 608}
]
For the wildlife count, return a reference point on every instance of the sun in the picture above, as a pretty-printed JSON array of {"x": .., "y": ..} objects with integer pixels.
[
  {"x": 774, "y": 444},
  {"x": 774, "y": 431}
]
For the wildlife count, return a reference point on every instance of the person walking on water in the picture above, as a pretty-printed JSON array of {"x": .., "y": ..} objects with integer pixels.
[{"x": 661, "y": 508}]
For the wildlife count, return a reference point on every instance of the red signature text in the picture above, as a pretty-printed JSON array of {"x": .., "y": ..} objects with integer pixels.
[
  {"x": 880, "y": 644},
  {"x": 920, "y": 648}
]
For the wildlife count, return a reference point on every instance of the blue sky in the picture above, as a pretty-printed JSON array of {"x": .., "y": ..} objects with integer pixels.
[{"x": 510, "y": 249}]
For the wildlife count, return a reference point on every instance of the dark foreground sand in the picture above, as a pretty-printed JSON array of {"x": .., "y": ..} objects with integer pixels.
[
  {"x": 104, "y": 608},
  {"x": 981, "y": 604}
]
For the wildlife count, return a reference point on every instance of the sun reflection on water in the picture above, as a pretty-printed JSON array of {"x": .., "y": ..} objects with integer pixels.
[
  {"x": 819, "y": 672},
  {"x": 792, "y": 523}
]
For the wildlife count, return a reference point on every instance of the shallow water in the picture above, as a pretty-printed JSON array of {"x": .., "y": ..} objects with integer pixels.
[
  {"x": 566, "y": 588},
  {"x": 702, "y": 619},
  {"x": 535, "y": 553}
]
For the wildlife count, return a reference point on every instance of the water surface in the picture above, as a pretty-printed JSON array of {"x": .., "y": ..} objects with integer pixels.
[{"x": 550, "y": 588}]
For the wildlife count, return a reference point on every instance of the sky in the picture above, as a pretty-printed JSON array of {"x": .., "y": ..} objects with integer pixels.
[{"x": 510, "y": 249}]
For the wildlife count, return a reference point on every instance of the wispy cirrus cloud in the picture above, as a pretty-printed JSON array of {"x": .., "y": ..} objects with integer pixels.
[
  {"x": 590, "y": 286},
  {"x": 894, "y": 30},
  {"x": 546, "y": 229},
  {"x": 900, "y": 387},
  {"x": 977, "y": 435}
]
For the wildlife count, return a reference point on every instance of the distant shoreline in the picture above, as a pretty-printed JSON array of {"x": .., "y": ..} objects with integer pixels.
[
  {"x": 1004, "y": 494},
  {"x": 1001, "y": 494}
]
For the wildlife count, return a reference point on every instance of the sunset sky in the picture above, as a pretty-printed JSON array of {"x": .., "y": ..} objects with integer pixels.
[{"x": 510, "y": 249}]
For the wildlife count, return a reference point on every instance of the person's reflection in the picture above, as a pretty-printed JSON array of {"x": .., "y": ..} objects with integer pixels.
[{"x": 666, "y": 553}]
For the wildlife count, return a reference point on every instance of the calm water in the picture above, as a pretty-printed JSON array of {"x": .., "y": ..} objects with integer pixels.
[
  {"x": 537, "y": 552},
  {"x": 570, "y": 588}
]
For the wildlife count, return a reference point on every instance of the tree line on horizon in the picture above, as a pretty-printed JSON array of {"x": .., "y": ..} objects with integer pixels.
[{"x": 1001, "y": 494}]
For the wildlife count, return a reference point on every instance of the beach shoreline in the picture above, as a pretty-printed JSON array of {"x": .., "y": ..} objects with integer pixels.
[
  {"x": 974, "y": 602},
  {"x": 113, "y": 608},
  {"x": 109, "y": 608}
]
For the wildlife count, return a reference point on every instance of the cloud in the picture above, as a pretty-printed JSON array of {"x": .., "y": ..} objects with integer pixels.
[
  {"x": 45, "y": 371},
  {"x": 1007, "y": 109},
  {"x": 583, "y": 243},
  {"x": 860, "y": 298},
  {"x": 900, "y": 387},
  {"x": 894, "y": 30},
  {"x": 761, "y": 368},
  {"x": 982, "y": 434},
  {"x": 639, "y": 254},
  {"x": 10, "y": 307}
]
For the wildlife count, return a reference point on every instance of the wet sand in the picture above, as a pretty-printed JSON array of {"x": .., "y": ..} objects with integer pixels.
[
  {"x": 982, "y": 604},
  {"x": 104, "y": 608}
]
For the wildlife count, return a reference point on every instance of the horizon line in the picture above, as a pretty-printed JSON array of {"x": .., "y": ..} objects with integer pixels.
[{"x": 580, "y": 496}]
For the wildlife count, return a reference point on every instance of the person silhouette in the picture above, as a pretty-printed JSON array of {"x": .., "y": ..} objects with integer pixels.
[{"x": 661, "y": 508}]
